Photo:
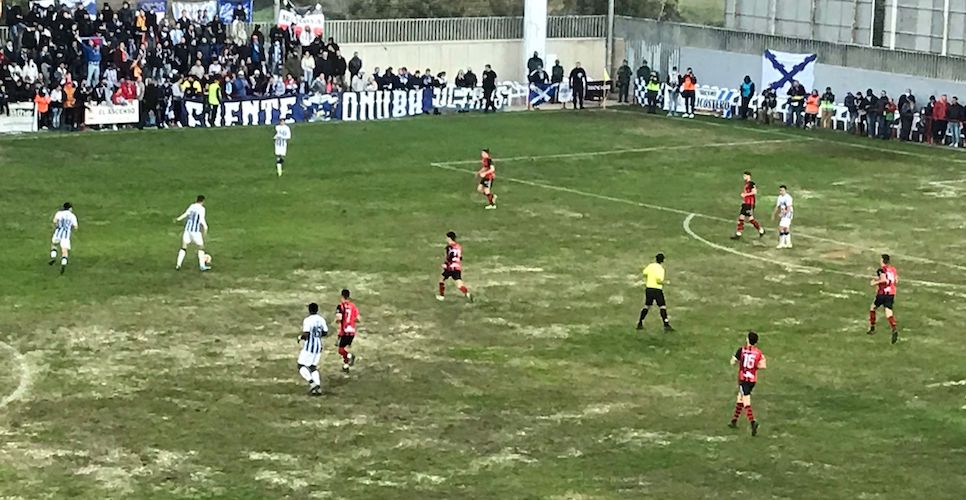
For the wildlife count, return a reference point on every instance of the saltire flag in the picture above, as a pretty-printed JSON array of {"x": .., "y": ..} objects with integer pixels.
[
  {"x": 779, "y": 69},
  {"x": 541, "y": 93}
]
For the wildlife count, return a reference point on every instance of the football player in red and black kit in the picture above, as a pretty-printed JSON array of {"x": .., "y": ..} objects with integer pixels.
[
  {"x": 885, "y": 282},
  {"x": 749, "y": 360},
  {"x": 748, "y": 196},
  {"x": 487, "y": 174},
  {"x": 346, "y": 315},
  {"x": 453, "y": 267}
]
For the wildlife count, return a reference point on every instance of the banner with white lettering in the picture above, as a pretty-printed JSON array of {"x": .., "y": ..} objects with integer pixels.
[
  {"x": 156, "y": 7},
  {"x": 22, "y": 118},
  {"x": 227, "y": 8},
  {"x": 707, "y": 100},
  {"x": 312, "y": 24},
  {"x": 112, "y": 114},
  {"x": 196, "y": 11},
  {"x": 348, "y": 106}
]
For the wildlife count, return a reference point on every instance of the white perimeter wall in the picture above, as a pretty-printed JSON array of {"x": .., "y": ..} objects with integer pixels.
[{"x": 504, "y": 55}]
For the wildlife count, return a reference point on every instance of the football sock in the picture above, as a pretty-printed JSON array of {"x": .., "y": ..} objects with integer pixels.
[
  {"x": 754, "y": 222},
  {"x": 892, "y": 321},
  {"x": 305, "y": 373},
  {"x": 738, "y": 408},
  {"x": 741, "y": 226},
  {"x": 872, "y": 319},
  {"x": 53, "y": 253},
  {"x": 643, "y": 315},
  {"x": 63, "y": 261},
  {"x": 788, "y": 238},
  {"x": 278, "y": 168},
  {"x": 442, "y": 289},
  {"x": 201, "y": 258},
  {"x": 344, "y": 354},
  {"x": 315, "y": 378},
  {"x": 181, "y": 254},
  {"x": 664, "y": 316},
  {"x": 464, "y": 290},
  {"x": 489, "y": 198},
  {"x": 751, "y": 415}
]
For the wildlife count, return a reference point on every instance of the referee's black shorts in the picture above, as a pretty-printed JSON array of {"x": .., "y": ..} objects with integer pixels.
[{"x": 652, "y": 295}]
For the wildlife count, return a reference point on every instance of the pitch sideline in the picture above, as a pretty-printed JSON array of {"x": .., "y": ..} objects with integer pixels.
[{"x": 23, "y": 387}]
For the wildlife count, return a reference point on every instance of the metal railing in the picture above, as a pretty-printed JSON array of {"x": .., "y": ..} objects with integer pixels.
[{"x": 460, "y": 28}]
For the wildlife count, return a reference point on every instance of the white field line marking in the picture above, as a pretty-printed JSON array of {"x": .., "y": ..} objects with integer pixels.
[
  {"x": 24, "y": 386},
  {"x": 691, "y": 215},
  {"x": 799, "y": 267},
  {"x": 625, "y": 151},
  {"x": 951, "y": 383},
  {"x": 448, "y": 166},
  {"x": 800, "y": 136},
  {"x": 946, "y": 184},
  {"x": 787, "y": 265}
]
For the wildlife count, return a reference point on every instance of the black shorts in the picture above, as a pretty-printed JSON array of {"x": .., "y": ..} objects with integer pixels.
[
  {"x": 346, "y": 340},
  {"x": 487, "y": 183},
  {"x": 652, "y": 295},
  {"x": 747, "y": 210},
  {"x": 886, "y": 301},
  {"x": 746, "y": 387},
  {"x": 456, "y": 275}
]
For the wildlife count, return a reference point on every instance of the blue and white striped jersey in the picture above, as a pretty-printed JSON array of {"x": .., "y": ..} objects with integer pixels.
[
  {"x": 195, "y": 218},
  {"x": 315, "y": 328},
  {"x": 64, "y": 222}
]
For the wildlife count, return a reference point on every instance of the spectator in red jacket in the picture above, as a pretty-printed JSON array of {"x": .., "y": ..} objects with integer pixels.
[{"x": 939, "y": 119}]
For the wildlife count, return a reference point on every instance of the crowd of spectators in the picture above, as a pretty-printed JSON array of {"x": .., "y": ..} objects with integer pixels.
[{"x": 63, "y": 59}]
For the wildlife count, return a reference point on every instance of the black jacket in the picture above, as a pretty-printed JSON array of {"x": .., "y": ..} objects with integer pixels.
[
  {"x": 578, "y": 78},
  {"x": 355, "y": 65},
  {"x": 489, "y": 80},
  {"x": 955, "y": 113},
  {"x": 470, "y": 80}
]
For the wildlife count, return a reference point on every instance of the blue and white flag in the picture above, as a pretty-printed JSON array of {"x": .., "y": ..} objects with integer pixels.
[
  {"x": 541, "y": 93},
  {"x": 779, "y": 69},
  {"x": 157, "y": 7},
  {"x": 226, "y": 10}
]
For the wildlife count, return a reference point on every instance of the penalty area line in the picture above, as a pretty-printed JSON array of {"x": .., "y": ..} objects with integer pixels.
[
  {"x": 25, "y": 378},
  {"x": 691, "y": 215}
]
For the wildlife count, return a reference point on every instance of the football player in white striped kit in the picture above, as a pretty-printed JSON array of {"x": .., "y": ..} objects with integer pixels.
[
  {"x": 314, "y": 329},
  {"x": 282, "y": 135},
  {"x": 65, "y": 222},
  {"x": 195, "y": 227}
]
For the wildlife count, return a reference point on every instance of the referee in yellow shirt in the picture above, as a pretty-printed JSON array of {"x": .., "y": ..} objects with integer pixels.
[{"x": 654, "y": 291}]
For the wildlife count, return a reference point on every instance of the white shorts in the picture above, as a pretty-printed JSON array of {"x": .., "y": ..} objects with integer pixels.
[
  {"x": 785, "y": 222},
  {"x": 194, "y": 237},
  {"x": 307, "y": 358},
  {"x": 281, "y": 150},
  {"x": 63, "y": 242}
]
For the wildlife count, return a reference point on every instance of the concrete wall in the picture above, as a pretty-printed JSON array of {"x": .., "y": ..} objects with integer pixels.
[
  {"x": 726, "y": 69},
  {"x": 919, "y": 25},
  {"x": 503, "y": 55},
  {"x": 839, "y": 21},
  {"x": 663, "y": 40}
]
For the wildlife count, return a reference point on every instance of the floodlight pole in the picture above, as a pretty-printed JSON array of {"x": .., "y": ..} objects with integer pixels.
[
  {"x": 277, "y": 7},
  {"x": 609, "y": 55}
]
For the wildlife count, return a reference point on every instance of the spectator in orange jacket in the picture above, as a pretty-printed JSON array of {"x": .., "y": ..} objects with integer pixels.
[
  {"x": 42, "y": 101},
  {"x": 811, "y": 109}
]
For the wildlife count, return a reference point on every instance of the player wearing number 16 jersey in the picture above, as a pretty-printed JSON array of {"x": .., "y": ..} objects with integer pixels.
[
  {"x": 749, "y": 360},
  {"x": 282, "y": 135},
  {"x": 885, "y": 282},
  {"x": 453, "y": 267}
]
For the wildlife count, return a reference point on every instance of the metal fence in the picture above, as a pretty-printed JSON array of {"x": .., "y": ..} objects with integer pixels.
[{"x": 460, "y": 28}]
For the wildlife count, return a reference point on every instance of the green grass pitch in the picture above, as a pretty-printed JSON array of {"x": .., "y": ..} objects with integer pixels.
[{"x": 126, "y": 379}]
